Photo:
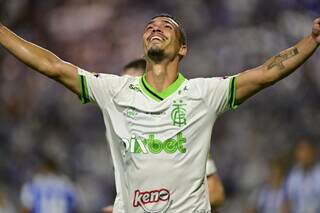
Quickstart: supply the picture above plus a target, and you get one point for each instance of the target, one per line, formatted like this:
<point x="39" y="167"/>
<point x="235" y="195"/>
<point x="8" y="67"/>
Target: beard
<point x="156" y="54"/>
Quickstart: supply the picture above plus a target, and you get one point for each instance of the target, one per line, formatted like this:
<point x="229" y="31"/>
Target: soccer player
<point x="215" y="188"/>
<point x="159" y="125"/>
<point x="302" y="187"/>
<point x="48" y="191"/>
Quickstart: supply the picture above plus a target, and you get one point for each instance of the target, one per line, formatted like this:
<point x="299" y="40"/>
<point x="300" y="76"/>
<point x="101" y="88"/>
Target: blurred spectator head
<point x="135" y="68"/>
<point x="48" y="165"/>
<point x="305" y="152"/>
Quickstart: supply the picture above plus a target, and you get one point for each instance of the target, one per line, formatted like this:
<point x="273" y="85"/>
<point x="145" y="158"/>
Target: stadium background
<point x="38" y="116"/>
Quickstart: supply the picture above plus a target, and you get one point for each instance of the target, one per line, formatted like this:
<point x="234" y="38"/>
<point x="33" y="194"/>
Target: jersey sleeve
<point x="98" y="87"/>
<point x="210" y="167"/>
<point x="220" y="93"/>
<point x="27" y="196"/>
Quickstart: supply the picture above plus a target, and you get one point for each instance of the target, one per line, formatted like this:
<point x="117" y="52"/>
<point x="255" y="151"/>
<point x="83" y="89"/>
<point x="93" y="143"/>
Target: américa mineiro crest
<point x="178" y="113"/>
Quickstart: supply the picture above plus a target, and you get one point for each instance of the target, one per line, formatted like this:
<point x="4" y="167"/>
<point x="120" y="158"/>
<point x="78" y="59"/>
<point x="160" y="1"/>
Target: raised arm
<point x="40" y="59"/>
<point x="252" y="81"/>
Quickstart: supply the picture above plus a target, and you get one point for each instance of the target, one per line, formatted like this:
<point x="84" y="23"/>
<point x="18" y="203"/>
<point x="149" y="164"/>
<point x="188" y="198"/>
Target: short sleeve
<point x="210" y="167"/>
<point x="26" y="196"/>
<point x="98" y="87"/>
<point x="220" y="93"/>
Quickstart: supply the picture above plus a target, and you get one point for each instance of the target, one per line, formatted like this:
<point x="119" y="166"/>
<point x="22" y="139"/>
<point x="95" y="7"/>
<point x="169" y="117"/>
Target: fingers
<point x="107" y="209"/>
<point x="316" y="26"/>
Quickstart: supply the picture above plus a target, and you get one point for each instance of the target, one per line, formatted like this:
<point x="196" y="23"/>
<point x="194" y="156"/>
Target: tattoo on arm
<point x="277" y="61"/>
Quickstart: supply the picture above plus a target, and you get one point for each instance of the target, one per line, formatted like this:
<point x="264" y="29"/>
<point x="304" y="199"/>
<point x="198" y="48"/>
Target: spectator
<point x="48" y="191"/>
<point x="303" y="182"/>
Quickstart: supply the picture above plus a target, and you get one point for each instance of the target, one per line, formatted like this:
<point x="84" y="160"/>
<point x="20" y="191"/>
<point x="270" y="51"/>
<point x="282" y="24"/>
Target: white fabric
<point x="142" y="134"/>
<point x="210" y="167"/>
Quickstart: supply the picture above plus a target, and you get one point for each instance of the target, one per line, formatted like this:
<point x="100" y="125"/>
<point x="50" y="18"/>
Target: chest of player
<point x="146" y="126"/>
<point x="140" y="115"/>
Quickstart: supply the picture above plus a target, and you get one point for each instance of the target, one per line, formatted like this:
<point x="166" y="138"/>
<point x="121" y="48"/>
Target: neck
<point x="162" y="75"/>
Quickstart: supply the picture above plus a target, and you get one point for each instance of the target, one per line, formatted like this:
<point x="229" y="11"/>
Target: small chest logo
<point x="134" y="88"/>
<point x="178" y="114"/>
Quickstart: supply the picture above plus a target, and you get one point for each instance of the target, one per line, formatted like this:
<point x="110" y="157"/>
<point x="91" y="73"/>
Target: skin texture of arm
<point x="276" y="68"/>
<point x="39" y="59"/>
<point x="216" y="191"/>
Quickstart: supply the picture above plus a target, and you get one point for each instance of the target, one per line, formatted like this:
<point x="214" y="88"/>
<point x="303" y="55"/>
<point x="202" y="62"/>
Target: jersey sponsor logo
<point x="134" y="88"/>
<point x="131" y="112"/>
<point x="155" y="146"/>
<point x="159" y="196"/>
<point x="178" y="114"/>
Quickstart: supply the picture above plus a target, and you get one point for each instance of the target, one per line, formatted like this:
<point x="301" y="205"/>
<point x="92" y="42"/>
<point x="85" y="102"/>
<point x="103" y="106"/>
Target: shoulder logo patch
<point x="134" y="88"/>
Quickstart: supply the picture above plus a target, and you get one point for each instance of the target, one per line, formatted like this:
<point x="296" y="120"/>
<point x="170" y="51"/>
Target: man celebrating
<point x="215" y="187"/>
<point x="159" y="125"/>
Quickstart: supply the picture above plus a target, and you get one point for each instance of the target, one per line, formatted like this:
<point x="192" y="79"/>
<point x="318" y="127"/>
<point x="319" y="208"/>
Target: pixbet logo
<point x="154" y="145"/>
<point x="142" y="199"/>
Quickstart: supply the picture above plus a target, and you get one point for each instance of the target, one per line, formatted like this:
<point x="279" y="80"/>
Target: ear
<point x="183" y="50"/>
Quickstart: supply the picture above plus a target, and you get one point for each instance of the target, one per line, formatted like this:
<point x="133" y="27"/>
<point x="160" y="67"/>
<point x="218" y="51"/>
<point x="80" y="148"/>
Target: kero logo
<point x="155" y="146"/>
<point x="161" y="196"/>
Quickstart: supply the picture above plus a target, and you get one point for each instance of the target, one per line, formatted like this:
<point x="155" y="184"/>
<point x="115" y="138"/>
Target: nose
<point x="156" y="29"/>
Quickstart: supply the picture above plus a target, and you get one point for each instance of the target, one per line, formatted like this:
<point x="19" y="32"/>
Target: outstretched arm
<point x="40" y="59"/>
<point x="252" y="81"/>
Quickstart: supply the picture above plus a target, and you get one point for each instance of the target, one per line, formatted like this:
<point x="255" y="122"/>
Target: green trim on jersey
<point x="159" y="96"/>
<point x="232" y="93"/>
<point x="84" y="95"/>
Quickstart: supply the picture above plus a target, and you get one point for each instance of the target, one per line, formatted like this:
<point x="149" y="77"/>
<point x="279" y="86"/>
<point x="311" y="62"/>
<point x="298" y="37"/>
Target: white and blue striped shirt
<point x="303" y="190"/>
<point x="267" y="199"/>
<point x="50" y="194"/>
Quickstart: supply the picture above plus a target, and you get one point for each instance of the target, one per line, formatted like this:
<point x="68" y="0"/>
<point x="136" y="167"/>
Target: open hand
<point x="316" y="30"/>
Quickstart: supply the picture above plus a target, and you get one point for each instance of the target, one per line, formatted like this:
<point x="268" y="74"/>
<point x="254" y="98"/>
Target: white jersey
<point x="210" y="166"/>
<point x="159" y="141"/>
<point x="211" y="169"/>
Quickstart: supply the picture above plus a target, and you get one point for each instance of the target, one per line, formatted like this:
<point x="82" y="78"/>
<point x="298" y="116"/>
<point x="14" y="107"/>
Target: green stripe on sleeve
<point x="232" y="93"/>
<point x="84" y="95"/>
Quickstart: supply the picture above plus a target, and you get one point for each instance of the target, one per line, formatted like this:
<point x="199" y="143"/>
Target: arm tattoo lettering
<point x="277" y="61"/>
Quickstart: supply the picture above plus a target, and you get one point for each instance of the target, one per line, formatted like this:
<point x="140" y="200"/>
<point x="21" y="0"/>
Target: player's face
<point x="162" y="34"/>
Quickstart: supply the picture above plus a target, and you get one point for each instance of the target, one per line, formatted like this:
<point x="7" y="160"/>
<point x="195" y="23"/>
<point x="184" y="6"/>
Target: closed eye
<point x="148" y="28"/>
<point x="168" y="26"/>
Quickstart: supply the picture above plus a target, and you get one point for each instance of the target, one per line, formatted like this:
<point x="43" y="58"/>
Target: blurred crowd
<point x="39" y="117"/>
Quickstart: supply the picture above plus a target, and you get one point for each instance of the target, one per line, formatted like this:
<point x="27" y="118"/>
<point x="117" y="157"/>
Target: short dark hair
<point x="136" y="64"/>
<point x="307" y="139"/>
<point x="183" y="35"/>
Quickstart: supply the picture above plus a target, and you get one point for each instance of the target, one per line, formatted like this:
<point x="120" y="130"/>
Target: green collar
<point x="159" y="96"/>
